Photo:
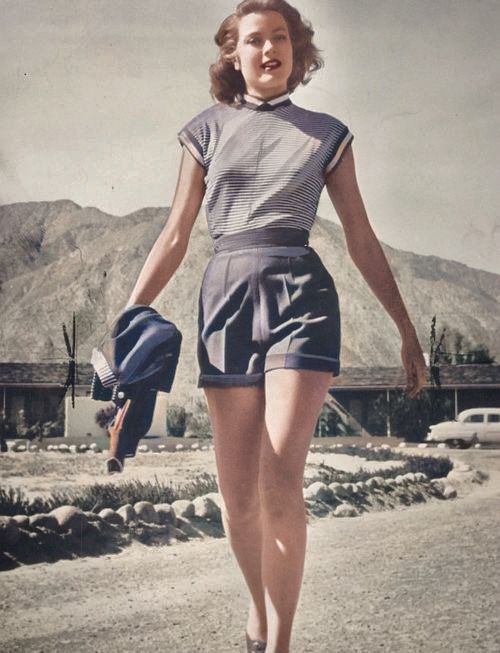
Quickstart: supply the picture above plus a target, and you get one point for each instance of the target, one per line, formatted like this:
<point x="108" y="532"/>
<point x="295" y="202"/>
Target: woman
<point x="268" y="324"/>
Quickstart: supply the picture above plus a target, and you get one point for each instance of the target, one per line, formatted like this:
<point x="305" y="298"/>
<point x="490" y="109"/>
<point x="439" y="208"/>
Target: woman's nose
<point x="268" y="46"/>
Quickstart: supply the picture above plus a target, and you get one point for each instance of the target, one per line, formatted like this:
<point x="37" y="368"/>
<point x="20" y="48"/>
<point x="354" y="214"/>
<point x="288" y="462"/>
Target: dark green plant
<point x="198" y="422"/>
<point x="411" y="418"/>
<point x="176" y="420"/>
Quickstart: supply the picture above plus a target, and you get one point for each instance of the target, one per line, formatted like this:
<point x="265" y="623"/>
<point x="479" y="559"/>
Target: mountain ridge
<point x="57" y="257"/>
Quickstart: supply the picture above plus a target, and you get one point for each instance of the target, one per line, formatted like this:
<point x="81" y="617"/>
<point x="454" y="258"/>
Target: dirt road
<point x="423" y="579"/>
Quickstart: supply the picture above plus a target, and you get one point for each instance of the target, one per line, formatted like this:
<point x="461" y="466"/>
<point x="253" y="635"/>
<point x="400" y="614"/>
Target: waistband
<point x="266" y="237"/>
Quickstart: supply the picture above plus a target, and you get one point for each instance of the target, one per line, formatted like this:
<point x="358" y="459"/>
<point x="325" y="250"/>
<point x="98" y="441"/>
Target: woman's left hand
<point x="414" y="364"/>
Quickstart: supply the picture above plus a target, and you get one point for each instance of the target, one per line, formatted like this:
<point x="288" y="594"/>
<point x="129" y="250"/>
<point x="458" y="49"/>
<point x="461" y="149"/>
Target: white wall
<point x="80" y="420"/>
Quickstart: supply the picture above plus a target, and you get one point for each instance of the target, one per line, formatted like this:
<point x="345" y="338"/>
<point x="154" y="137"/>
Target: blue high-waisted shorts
<point x="264" y="306"/>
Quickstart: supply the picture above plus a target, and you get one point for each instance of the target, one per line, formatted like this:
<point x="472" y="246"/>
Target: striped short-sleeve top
<point x="265" y="162"/>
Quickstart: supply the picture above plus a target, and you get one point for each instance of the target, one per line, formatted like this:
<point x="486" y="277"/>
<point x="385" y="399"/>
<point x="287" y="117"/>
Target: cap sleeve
<point x="340" y="139"/>
<point x="195" y="136"/>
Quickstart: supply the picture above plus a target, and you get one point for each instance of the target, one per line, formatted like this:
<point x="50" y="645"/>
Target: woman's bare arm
<point x="368" y="256"/>
<point x="171" y="245"/>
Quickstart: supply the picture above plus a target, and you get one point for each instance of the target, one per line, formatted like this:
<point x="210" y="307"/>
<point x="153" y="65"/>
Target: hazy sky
<point x="94" y="92"/>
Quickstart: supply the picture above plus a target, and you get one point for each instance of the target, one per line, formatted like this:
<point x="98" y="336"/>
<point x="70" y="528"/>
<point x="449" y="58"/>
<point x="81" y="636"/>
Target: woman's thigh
<point x="294" y="399"/>
<point x="237" y="418"/>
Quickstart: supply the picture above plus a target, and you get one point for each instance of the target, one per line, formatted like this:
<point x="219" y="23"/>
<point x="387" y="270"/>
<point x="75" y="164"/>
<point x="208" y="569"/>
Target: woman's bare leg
<point x="293" y="402"/>
<point x="237" y="418"/>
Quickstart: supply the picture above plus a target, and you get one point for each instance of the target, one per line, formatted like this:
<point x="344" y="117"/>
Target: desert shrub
<point x="176" y="420"/>
<point x="369" y="454"/>
<point x="198" y="424"/>
<point x="107" y="495"/>
<point x="13" y="501"/>
<point x="432" y="466"/>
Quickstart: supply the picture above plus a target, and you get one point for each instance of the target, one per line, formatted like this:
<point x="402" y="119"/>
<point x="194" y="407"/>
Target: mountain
<point x="58" y="257"/>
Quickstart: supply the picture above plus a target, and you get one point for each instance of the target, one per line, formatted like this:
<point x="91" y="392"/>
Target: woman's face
<point x="264" y="53"/>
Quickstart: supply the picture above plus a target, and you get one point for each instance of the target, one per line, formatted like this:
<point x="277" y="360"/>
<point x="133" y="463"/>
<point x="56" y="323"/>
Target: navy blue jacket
<point x="138" y="358"/>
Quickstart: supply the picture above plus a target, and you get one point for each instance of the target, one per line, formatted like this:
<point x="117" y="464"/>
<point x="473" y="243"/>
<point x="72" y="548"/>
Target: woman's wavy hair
<point x="228" y="84"/>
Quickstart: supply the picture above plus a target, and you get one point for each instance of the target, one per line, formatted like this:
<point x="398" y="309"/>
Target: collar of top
<point x="257" y="104"/>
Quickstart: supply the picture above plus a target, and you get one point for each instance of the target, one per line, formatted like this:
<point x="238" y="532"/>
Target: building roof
<point x="451" y="376"/>
<point x="42" y="374"/>
<point x="351" y="378"/>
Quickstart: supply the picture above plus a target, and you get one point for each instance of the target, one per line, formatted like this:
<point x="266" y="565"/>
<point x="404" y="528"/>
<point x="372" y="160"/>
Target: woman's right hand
<point x="171" y="245"/>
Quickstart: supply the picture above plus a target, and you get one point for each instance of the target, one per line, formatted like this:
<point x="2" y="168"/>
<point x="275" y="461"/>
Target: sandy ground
<point x="423" y="579"/>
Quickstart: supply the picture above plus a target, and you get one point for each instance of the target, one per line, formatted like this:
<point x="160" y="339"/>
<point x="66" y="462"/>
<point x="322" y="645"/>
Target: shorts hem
<point x="224" y="380"/>
<point x="302" y="362"/>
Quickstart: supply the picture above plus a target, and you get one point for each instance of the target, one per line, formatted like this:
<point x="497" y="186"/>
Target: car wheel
<point x="456" y="443"/>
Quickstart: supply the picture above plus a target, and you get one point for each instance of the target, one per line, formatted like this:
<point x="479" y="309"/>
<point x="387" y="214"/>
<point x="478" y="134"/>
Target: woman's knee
<point x="240" y="504"/>
<point x="280" y="489"/>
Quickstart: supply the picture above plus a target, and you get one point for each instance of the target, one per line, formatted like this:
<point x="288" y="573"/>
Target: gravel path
<point x="423" y="579"/>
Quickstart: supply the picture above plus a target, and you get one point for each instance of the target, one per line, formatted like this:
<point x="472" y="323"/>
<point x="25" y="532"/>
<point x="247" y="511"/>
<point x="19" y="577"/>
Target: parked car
<point x="471" y="426"/>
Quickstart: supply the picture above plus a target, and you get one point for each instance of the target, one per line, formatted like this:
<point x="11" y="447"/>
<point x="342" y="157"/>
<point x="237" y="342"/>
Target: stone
<point x="162" y="447"/>
<point x="82" y="448"/>
<point x="146" y="512"/>
<point x="166" y="514"/>
<point x="216" y="497"/>
<point x="70" y="517"/>
<point x="360" y="487"/>
<point x="420" y="477"/>
<point x="410" y="477"/>
<point x="179" y="447"/>
<point x="41" y="520"/>
<point x="345" y="510"/>
<point x="95" y="447"/>
<point x="9" y="532"/>
<point x="111" y="517"/>
<point x="73" y="448"/>
<point x="206" y="508"/>
<point x="402" y="445"/>
<point x="143" y="448"/>
<point x="401" y="480"/>
<point x="439" y="484"/>
<point x="318" y="491"/>
<point x="183" y="508"/>
<point x="369" y="445"/>
<point x="441" y="445"/>
<point x="127" y="513"/>
<point x="33" y="447"/>
<point x="372" y="483"/>
<point x="23" y="521"/>
<point x="477" y="445"/>
<point x="63" y="447"/>
<point x="449" y="492"/>
<point x="19" y="448"/>
<point x="92" y="517"/>
<point x="336" y="488"/>
<point x="422" y="445"/>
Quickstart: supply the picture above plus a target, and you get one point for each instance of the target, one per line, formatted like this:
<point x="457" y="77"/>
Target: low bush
<point x="431" y="466"/>
<point x="356" y="450"/>
<point x="106" y="495"/>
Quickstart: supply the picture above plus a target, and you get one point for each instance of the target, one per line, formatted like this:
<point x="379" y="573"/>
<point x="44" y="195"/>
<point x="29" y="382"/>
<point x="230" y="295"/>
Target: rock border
<point x="68" y="532"/>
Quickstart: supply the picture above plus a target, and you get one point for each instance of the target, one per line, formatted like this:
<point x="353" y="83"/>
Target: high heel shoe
<point x="255" y="645"/>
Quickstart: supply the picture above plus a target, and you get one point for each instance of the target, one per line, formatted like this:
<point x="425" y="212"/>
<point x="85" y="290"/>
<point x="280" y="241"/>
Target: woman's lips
<point x="272" y="64"/>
